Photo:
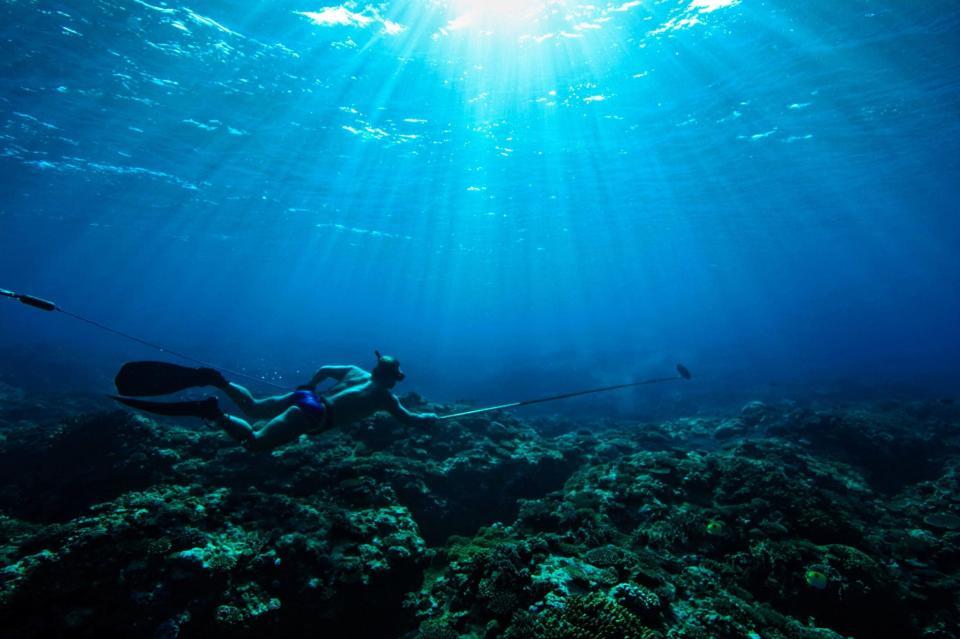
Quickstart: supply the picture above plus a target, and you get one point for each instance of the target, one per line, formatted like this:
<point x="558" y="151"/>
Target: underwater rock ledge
<point x="776" y="523"/>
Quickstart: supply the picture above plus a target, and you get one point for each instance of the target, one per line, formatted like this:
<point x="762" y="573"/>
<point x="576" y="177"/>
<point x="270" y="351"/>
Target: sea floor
<point x="779" y="522"/>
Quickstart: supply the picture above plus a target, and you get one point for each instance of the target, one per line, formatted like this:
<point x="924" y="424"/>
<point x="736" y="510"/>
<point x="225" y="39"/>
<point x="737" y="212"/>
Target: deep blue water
<point x="512" y="197"/>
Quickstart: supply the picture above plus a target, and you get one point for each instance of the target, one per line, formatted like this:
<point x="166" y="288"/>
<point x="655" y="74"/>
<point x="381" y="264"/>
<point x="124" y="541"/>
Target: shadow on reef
<point x="52" y="475"/>
<point x="776" y="523"/>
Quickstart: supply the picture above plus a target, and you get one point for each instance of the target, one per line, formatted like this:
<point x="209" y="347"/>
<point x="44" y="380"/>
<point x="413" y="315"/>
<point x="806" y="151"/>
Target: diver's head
<point x="387" y="371"/>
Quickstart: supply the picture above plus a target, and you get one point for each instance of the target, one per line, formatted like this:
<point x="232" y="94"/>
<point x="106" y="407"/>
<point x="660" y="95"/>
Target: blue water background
<point x="766" y="191"/>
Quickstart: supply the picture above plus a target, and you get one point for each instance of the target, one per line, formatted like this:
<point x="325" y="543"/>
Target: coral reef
<point x="779" y="522"/>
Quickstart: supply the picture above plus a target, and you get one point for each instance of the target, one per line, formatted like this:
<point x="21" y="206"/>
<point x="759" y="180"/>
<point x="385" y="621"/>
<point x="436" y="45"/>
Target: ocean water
<point x="516" y="198"/>
<point x="511" y="197"/>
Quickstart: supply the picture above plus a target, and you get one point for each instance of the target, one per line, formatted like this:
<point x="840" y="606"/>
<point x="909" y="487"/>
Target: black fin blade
<point x="158" y="378"/>
<point x="204" y="408"/>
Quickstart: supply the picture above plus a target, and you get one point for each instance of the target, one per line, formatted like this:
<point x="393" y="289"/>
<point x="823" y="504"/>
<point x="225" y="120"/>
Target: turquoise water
<point x="512" y="197"/>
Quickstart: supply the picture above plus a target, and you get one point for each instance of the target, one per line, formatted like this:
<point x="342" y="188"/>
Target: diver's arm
<point x="404" y="416"/>
<point x="328" y="372"/>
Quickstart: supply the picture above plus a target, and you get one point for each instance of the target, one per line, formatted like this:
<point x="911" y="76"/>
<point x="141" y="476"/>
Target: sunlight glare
<point x="497" y="15"/>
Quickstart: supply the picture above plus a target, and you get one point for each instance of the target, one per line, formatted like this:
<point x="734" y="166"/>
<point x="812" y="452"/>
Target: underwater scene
<point x="480" y="319"/>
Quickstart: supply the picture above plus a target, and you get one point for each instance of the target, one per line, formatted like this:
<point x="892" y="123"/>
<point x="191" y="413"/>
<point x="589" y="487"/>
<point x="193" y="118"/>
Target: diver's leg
<point x="288" y="426"/>
<point x="265" y="408"/>
<point x="238" y="430"/>
<point x="292" y="423"/>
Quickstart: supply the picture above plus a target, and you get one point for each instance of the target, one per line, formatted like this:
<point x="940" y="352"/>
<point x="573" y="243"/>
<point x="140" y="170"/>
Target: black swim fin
<point x="204" y="408"/>
<point x="161" y="378"/>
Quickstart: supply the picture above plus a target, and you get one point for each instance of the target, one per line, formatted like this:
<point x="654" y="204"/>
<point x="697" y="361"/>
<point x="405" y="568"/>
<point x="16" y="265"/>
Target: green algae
<point x="816" y="579"/>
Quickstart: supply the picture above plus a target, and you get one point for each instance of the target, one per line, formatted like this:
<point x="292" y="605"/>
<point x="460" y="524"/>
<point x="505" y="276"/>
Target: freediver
<point x="356" y="394"/>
